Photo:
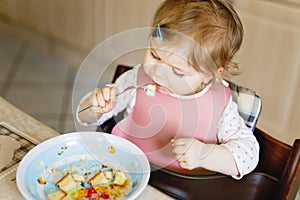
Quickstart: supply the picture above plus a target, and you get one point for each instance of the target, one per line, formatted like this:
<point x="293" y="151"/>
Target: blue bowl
<point x="87" y="152"/>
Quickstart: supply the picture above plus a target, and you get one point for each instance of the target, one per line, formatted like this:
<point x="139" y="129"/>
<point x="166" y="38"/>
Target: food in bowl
<point x="107" y="183"/>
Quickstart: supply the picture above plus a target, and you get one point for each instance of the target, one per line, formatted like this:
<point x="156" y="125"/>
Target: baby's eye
<point x="178" y="73"/>
<point x="155" y="56"/>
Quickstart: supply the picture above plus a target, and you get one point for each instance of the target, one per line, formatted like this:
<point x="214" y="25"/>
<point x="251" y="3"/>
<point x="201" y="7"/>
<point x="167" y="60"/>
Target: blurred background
<point x="43" y="44"/>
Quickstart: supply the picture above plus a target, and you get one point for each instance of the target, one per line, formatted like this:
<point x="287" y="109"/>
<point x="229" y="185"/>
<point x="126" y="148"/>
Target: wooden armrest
<point x="290" y="180"/>
<point x="281" y="161"/>
<point x="273" y="153"/>
<point x="120" y="70"/>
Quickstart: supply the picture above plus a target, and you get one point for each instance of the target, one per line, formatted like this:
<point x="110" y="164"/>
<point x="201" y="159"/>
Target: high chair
<point x="275" y="177"/>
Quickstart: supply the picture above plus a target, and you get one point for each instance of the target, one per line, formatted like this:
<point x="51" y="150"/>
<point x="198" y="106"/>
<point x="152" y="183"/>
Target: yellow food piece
<point x="111" y="149"/>
<point x="99" y="179"/>
<point x="80" y="194"/>
<point x="78" y="177"/>
<point x="66" y="183"/>
<point x="120" y="178"/>
<point x="100" y="189"/>
<point x="109" y="175"/>
<point x="68" y="197"/>
<point x="56" y="195"/>
<point x="42" y="181"/>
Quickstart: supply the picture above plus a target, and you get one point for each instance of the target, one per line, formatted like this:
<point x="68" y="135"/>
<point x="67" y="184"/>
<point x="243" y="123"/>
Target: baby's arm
<point x="236" y="155"/>
<point x="239" y="140"/>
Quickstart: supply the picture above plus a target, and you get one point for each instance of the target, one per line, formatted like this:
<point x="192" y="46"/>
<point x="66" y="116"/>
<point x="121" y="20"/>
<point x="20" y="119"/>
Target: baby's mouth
<point x="161" y="88"/>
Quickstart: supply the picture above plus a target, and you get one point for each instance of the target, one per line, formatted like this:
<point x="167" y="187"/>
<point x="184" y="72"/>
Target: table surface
<point x="36" y="131"/>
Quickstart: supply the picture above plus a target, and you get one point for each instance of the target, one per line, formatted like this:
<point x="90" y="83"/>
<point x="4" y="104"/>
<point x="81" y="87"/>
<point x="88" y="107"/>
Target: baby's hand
<point x="189" y="152"/>
<point x="103" y="99"/>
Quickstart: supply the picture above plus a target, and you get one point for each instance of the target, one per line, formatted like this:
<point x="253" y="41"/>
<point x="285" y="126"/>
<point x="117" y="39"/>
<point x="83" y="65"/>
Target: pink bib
<point x="156" y="120"/>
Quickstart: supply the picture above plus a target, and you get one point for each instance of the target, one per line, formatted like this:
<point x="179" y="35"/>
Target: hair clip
<point x="158" y="33"/>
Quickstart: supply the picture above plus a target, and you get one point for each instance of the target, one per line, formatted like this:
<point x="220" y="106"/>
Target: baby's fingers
<point x="109" y="93"/>
<point x="103" y="99"/>
<point x="104" y="96"/>
<point x="106" y="93"/>
<point x="180" y="157"/>
<point x="185" y="165"/>
<point x="98" y="95"/>
<point x="180" y="141"/>
<point x="113" y="94"/>
<point x="179" y="150"/>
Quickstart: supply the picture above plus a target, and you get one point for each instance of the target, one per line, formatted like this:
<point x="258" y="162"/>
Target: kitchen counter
<point x="36" y="132"/>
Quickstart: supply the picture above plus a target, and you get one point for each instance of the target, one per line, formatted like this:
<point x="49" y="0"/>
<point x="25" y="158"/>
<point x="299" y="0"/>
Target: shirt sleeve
<point x="126" y="101"/>
<point x="239" y="139"/>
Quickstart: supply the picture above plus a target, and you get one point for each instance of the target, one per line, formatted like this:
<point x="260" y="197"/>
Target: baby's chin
<point x="164" y="90"/>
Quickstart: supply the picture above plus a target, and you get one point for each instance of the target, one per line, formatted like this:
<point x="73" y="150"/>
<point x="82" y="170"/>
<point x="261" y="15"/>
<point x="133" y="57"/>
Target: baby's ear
<point x="221" y="71"/>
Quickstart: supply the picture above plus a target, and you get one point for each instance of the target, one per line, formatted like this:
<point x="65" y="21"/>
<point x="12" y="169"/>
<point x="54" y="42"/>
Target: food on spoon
<point x="150" y="90"/>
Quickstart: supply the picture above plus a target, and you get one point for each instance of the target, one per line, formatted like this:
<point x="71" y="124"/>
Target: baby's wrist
<point x="205" y="154"/>
<point x="206" y="151"/>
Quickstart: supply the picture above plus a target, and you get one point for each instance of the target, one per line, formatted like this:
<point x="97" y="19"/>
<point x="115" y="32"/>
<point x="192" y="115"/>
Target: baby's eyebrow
<point x="153" y="51"/>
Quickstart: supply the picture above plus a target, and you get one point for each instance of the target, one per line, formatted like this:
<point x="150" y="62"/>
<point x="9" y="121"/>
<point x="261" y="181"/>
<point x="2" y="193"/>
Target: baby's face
<point x="171" y="71"/>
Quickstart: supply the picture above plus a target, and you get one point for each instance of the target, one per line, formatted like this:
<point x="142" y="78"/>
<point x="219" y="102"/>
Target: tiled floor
<point x="36" y="82"/>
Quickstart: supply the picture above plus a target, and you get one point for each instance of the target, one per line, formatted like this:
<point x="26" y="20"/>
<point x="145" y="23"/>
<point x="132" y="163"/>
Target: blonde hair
<point x="213" y="24"/>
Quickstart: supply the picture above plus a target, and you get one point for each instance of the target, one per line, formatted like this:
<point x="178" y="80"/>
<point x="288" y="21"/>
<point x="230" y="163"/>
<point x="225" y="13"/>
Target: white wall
<point x="270" y="59"/>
